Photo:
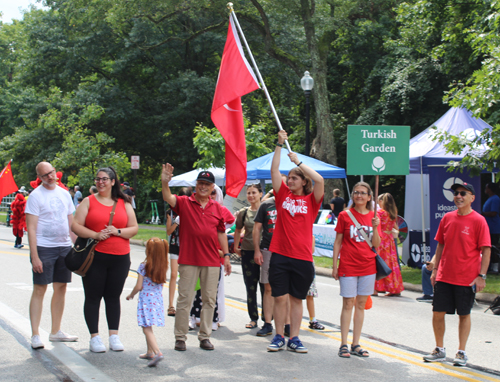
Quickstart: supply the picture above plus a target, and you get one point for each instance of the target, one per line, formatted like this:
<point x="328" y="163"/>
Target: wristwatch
<point x="119" y="232"/>
<point x="227" y="254"/>
<point x="482" y="276"/>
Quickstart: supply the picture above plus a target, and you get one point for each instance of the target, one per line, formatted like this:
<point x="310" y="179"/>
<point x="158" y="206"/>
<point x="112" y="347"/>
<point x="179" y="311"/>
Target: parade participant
<point x="356" y="270"/>
<point x="250" y="270"/>
<point x="291" y="270"/>
<point x="173" y="232"/>
<point x="49" y="215"/>
<point x="198" y="255"/>
<point x="220" y="305"/>
<point x="151" y="276"/>
<point x="388" y="213"/>
<point x="18" y="218"/>
<point x="461" y="261"/>
<point x="109" y="270"/>
<point x="264" y="223"/>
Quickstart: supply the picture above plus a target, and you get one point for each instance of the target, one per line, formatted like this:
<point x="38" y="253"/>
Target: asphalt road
<point x="397" y="332"/>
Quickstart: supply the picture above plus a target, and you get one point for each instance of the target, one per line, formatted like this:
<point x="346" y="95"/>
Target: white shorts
<point x="357" y="286"/>
<point x="173" y="257"/>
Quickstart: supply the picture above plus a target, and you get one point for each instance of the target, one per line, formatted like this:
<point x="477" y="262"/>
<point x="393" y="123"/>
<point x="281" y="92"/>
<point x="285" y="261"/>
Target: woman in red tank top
<point x="108" y="272"/>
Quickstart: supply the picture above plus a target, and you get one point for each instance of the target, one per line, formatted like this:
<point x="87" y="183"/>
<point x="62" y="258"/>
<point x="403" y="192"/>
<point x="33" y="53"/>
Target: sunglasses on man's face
<point x="461" y="193"/>
<point x="213" y="192"/>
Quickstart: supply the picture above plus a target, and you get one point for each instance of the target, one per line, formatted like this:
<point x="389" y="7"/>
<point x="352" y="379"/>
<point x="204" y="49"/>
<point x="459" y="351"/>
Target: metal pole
<point x="308" y="149"/>
<point x="233" y="15"/>
<point x="424" y="255"/>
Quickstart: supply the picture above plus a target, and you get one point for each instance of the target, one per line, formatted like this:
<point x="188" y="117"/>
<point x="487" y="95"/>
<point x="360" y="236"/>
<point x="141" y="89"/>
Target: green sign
<point x="378" y="150"/>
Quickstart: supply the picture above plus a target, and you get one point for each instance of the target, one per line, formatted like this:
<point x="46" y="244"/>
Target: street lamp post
<point x="307" y="84"/>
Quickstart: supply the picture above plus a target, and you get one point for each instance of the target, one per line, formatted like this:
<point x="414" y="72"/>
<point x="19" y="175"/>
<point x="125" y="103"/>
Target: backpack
<point x="495" y="306"/>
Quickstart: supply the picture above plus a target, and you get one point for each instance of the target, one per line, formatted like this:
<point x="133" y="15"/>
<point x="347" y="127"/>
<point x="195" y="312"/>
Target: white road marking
<point x="77" y="364"/>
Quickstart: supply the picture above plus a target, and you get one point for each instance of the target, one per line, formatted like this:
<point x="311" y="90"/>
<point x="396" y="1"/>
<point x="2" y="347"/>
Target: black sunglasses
<point x="461" y="193"/>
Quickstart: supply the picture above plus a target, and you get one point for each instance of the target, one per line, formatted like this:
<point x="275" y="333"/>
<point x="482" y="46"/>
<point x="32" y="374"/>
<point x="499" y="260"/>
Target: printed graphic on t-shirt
<point x="466" y="230"/>
<point x="57" y="225"/>
<point x="356" y="235"/>
<point x="271" y="220"/>
<point x="295" y="206"/>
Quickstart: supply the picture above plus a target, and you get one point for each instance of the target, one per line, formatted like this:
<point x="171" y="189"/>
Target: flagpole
<point x="230" y="6"/>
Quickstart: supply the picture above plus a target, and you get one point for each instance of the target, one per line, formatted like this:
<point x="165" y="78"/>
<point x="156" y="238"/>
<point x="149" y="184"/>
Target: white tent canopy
<point x="189" y="178"/>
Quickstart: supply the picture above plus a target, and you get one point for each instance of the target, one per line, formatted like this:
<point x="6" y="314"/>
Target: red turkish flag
<point x="7" y="183"/>
<point x="236" y="78"/>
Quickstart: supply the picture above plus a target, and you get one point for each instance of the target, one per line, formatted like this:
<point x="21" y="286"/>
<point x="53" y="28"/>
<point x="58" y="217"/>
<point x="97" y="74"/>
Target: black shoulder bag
<point x="80" y="258"/>
<point x="383" y="269"/>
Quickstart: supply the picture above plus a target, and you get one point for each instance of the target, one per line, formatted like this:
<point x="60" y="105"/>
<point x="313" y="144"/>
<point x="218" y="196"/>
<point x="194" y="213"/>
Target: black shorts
<point x="290" y="276"/>
<point x="54" y="267"/>
<point x="450" y="298"/>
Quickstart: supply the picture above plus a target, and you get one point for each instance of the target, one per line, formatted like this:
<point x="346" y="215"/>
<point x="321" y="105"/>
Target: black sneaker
<point x="425" y="298"/>
<point x="267" y="329"/>
<point x="287" y="330"/>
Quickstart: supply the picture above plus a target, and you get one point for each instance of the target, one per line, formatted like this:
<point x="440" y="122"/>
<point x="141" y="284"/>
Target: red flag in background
<point x="236" y="78"/>
<point x="7" y="183"/>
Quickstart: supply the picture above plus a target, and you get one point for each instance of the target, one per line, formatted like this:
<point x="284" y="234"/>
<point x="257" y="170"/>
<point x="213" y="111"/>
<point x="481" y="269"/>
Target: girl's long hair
<point x="116" y="190"/>
<point x="157" y="260"/>
<point x="389" y="205"/>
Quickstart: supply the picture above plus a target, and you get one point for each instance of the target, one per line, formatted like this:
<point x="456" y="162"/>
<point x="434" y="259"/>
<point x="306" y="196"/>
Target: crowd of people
<point x="277" y="245"/>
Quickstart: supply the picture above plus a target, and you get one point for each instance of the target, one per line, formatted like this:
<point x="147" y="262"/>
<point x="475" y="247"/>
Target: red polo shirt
<point x="198" y="240"/>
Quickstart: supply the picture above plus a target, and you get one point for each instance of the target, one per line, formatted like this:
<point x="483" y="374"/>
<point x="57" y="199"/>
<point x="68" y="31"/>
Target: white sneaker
<point x="60" y="336"/>
<point x="215" y="326"/>
<point x="36" y="342"/>
<point x="115" y="343"/>
<point x="192" y="323"/>
<point x="96" y="345"/>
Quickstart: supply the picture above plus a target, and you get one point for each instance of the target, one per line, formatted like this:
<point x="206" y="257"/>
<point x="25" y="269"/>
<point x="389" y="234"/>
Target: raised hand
<point x="167" y="173"/>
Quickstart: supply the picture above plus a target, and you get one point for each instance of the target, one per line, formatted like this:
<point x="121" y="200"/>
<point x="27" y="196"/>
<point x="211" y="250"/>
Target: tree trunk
<point x="323" y="146"/>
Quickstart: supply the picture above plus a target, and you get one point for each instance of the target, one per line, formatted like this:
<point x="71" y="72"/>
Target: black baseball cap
<point x="126" y="184"/>
<point x="206" y="176"/>
<point x="465" y="185"/>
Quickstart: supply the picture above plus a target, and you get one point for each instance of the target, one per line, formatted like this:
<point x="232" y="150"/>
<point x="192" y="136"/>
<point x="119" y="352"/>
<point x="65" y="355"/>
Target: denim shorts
<point x="357" y="286"/>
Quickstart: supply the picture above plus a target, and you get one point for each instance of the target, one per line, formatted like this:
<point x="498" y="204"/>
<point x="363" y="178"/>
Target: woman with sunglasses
<point x="251" y="270"/>
<point x="108" y="272"/>
<point x="356" y="270"/>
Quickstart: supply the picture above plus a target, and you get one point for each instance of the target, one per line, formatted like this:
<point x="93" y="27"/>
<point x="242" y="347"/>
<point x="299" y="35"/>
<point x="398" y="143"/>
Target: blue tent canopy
<point x="425" y="152"/>
<point x="260" y="168"/>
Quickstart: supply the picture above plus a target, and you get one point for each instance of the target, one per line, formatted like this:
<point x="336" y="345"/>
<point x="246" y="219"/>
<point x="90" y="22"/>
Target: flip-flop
<point x="146" y="356"/>
<point x="157" y="358"/>
<point x="251" y="325"/>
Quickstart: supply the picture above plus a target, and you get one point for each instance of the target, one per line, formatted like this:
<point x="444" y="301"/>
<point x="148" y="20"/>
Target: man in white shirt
<point x="49" y="214"/>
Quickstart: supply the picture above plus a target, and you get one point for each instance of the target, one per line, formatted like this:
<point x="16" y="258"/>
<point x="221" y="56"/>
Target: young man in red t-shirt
<point x="461" y="261"/>
<point x="291" y="270"/>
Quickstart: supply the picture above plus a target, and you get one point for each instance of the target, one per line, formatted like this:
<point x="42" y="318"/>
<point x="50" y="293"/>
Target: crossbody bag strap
<point x="359" y="228"/>
<point x="112" y="214"/>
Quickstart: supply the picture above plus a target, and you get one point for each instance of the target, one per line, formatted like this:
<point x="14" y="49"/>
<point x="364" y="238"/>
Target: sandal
<point x="251" y="325"/>
<point x="316" y="325"/>
<point x="171" y="311"/>
<point x="146" y="356"/>
<point x="344" y="352"/>
<point x="357" y="350"/>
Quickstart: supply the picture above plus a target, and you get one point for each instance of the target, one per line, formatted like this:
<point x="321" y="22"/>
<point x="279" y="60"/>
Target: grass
<point x="146" y="234"/>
